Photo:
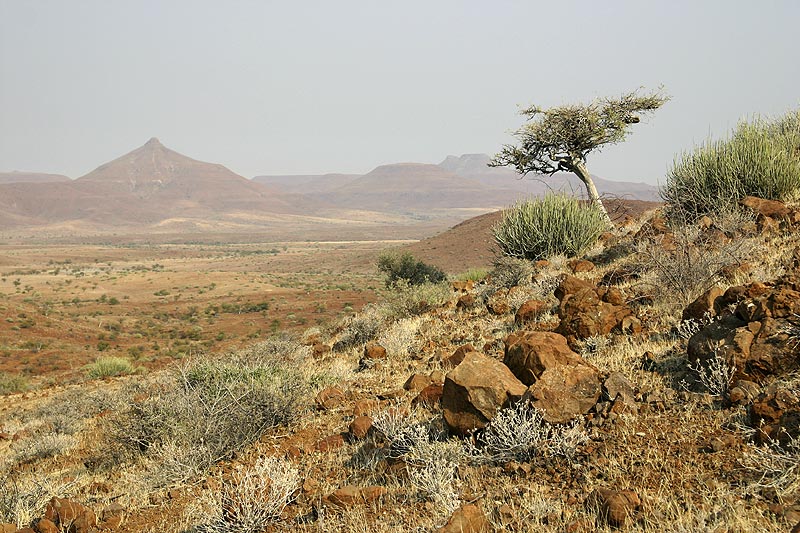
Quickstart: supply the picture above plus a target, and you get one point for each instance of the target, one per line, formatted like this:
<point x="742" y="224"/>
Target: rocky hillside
<point x="648" y="386"/>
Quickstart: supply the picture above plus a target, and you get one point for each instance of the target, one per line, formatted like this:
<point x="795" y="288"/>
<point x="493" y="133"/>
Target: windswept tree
<point x="559" y="139"/>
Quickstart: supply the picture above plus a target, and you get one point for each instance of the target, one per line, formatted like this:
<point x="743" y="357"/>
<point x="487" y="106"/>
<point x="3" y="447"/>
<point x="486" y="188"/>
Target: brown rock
<point x="766" y="208"/>
<point x="331" y="442"/>
<point x="498" y="303"/>
<point x="475" y="390"/>
<point x="530" y="311"/>
<point x="458" y="356"/>
<point x="351" y="495"/>
<point x="571" y="285"/>
<point x="70" y="514"/>
<point x="466" y="301"/>
<point x="776" y="414"/>
<point x="466" y="519"/>
<point x="360" y="426"/>
<point x="617" y="386"/>
<point x="580" y="265"/>
<point x="329" y="398"/>
<point x="529" y="353"/>
<point x="563" y="392"/>
<point x="430" y="395"/>
<point x="417" y="382"/>
<point x="703" y="304"/>
<point x="366" y="407"/>
<point x="611" y="295"/>
<point x="617" y="508"/>
<point x="45" y="525"/>
<point x="374" y="351"/>
<point x="24" y="530"/>
<point x="8" y="528"/>
<point x="462" y="286"/>
<point x="584" y="315"/>
<point x="743" y="392"/>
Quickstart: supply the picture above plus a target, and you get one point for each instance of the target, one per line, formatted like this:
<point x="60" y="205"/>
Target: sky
<point x="315" y="86"/>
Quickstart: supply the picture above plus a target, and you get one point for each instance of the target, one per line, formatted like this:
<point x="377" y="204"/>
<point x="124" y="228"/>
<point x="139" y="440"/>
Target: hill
<point x="30" y="177"/>
<point x="145" y="186"/>
<point x="304" y="184"/>
<point x="474" y="166"/>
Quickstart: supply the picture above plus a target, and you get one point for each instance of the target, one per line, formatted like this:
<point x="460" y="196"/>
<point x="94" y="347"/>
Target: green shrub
<point x="473" y="274"/>
<point x="553" y="225"/>
<point x="105" y="367"/>
<point x="403" y="267"/>
<point x="12" y="383"/>
<point x="760" y="159"/>
<point x="406" y="300"/>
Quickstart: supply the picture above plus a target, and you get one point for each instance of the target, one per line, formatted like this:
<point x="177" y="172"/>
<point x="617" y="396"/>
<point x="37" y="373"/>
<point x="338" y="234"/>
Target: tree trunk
<point x="582" y="172"/>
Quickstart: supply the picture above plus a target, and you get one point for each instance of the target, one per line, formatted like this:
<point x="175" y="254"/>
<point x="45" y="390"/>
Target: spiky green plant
<point x="761" y="158"/>
<point x="555" y="224"/>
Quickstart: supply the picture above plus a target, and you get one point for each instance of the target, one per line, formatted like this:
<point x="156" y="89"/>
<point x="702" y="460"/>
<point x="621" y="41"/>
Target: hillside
<point x="474" y="166"/>
<point x="305" y="184"/>
<point x="145" y="186"/>
<point x="30" y="177"/>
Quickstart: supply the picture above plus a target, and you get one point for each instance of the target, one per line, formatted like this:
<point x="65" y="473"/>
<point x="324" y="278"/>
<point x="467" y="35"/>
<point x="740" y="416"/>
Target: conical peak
<point x="153" y="142"/>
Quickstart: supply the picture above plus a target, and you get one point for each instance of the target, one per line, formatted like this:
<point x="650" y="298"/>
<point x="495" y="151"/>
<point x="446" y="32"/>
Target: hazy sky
<point x="268" y="87"/>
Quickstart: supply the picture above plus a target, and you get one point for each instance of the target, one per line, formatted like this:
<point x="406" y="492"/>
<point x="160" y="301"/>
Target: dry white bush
<point x="716" y="375"/>
<point x="776" y="465"/>
<point x="399" y="337"/>
<point x="23" y="500"/>
<point x="253" y="499"/>
<point x="42" y="446"/>
<point x="519" y="432"/>
<point x="432" y="470"/>
<point x="359" y="328"/>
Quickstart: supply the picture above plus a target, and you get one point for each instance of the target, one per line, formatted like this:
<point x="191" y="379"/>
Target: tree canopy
<point x="560" y="138"/>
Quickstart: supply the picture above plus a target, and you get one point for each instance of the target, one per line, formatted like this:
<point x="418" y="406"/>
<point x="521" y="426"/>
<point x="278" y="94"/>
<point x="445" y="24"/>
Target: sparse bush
<point x="208" y="409"/>
<point x="776" y="465"/>
<point x="519" y="432"/>
<point x="404" y="268"/>
<point x="552" y="225"/>
<point x="760" y="158"/>
<point x="252" y="499"/>
<point x="716" y="375"/>
<point x="410" y="300"/>
<point x="12" y="383"/>
<point x="359" y="329"/>
<point x="399" y="337"/>
<point x="105" y="367"/>
<point x="473" y="274"/>
<point x="23" y="500"/>
<point x="510" y="272"/>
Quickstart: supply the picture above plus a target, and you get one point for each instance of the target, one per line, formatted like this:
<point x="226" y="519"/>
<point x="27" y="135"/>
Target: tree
<point x="560" y="138"/>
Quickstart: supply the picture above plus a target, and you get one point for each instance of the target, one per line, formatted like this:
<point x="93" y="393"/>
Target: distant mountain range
<point x="155" y="187"/>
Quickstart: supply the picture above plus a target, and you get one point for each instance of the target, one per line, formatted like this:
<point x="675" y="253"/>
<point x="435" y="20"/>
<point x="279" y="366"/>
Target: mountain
<point x="416" y="187"/>
<point x="308" y="183"/>
<point x="146" y="186"/>
<point x="474" y="166"/>
<point x="30" y="177"/>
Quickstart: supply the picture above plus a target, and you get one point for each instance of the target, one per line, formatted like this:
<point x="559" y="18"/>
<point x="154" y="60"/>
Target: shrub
<point x="519" y="432"/>
<point x="473" y="274"/>
<point x="252" y="499"/>
<point x="22" y="500"/>
<point x="207" y="410"/>
<point x="404" y="268"/>
<point x="105" y="367"/>
<point x="12" y="383"/>
<point x="553" y="225"/>
<point x="359" y="329"/>
<point x="407" y="300"/>
<point x="760" y="158"/>
<point x="510" y="272"/>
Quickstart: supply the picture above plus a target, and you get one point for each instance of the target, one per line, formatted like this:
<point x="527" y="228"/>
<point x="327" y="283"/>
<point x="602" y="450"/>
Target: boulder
<point x="475" y="390"/>
<point x="46" y="526"/>
<point x="580" y="265"/>
<point x="584" y="315"/>
<point x="776" y="414"/>
<point x="529" y="353"/>
<point x="374" y="351"/>
<point x="571" y="285"/>
<point x="704" y="304"/>
<point x="530" y="311"/>
<point x="618" y="388"/>
<point x="564" y="393"/>
<point x="458" y="356"/>
<point x="766" y="208"/>
<point x="417" y="382"/>
<point x="498" y="303"/>
<point x="70" y="515"/>
<point x="360" y="426"/>
<point x="430" y="395"/>
<point x="618" y="508"/>
<point x="352" y="495"/>
<point x="329" y="398"/>
<point x="468" y="518"/>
